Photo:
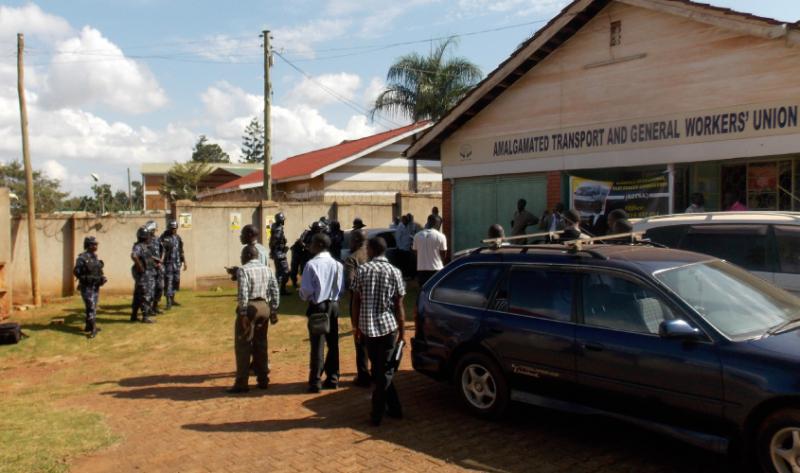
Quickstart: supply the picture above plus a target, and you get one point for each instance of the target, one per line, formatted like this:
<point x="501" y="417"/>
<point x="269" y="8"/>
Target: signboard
<point x="185" y="220"/>
<point x="641" y="197"/>
<point x="718" y="125"/>
<point x="235" y="223"/>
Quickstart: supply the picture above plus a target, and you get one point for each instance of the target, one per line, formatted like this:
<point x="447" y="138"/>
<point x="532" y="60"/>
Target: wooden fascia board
<point x="512" y="65"/>
<point x="698" y="13"/>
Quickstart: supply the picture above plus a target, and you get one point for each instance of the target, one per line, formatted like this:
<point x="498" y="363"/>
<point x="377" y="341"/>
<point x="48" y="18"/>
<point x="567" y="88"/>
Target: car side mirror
<point x="678" y="329"/>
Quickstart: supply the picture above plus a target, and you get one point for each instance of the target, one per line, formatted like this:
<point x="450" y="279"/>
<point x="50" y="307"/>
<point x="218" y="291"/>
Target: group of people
<point x="568" y="222"/>
<point x="156" y="271"/>
<point x="376" y="310"/>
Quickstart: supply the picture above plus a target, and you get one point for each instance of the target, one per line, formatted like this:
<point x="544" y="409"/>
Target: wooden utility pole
<point x="267" y="119"/>
<point x="130" y="196"/>
<point x="26" y="158"/>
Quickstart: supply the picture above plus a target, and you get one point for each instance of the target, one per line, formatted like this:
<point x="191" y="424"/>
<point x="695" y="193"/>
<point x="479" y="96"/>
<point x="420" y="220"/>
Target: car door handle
<point x="593" y="347"/>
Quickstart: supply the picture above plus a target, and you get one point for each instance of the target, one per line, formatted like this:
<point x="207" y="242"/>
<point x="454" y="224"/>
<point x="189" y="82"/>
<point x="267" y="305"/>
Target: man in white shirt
<point x="322" y="287"/>
<point x="430" y="245"/>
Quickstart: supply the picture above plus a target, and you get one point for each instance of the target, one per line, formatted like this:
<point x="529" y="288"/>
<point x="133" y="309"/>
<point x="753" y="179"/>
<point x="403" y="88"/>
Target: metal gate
<point x="481" y="202"/>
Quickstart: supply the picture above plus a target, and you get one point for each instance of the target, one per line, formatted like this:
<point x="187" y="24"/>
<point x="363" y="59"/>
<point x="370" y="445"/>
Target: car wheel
<point x="778" y="442"/>
<point x="481" y="385"/>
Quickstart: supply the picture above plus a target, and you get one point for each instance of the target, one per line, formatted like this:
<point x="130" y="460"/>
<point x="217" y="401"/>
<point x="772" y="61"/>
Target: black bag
<point x="10" y="333"/>
<point x="319" y="324"/>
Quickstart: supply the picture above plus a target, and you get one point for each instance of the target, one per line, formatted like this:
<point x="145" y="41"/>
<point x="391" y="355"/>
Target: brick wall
<point x="553" y="188"/>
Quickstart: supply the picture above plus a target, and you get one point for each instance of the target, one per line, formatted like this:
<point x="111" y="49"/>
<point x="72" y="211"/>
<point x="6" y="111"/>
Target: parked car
<point x="765" y="243"/>
<point x="392" y="253"/>
<point x="679" y="342"/>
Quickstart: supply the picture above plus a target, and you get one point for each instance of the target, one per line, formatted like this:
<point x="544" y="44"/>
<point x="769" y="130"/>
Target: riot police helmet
<point x="280" y="218"/>
<point x="172" y="225"/>
<point x="318" y="227"/>
<point x="142" y="233"/>
<point x="151" y="226"/>
<point x="88" y="242"/>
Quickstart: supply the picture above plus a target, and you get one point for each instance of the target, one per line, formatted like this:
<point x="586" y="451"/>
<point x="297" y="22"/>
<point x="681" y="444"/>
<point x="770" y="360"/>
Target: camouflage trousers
<point x="172" y="281"/>
<point x="158" y="286"/>
<point x="90" y="296"/>
<point x="143" y="293"/>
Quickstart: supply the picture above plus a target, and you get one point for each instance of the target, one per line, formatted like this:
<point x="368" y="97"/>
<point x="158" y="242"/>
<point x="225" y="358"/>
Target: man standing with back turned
<point x="379" y="291"/>
<point x="322" y="286"/>
<point x="358" y="257"/>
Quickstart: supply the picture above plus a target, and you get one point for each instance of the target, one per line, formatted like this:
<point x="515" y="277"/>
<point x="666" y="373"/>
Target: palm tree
<point x="426" y="87"/>
<point x="183" y="179"/>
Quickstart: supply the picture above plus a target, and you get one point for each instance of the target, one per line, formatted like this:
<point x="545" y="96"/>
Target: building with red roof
<point x="368" y="169"/>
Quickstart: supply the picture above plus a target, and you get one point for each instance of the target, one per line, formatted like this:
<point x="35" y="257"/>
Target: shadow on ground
<point x="528" y="439"/>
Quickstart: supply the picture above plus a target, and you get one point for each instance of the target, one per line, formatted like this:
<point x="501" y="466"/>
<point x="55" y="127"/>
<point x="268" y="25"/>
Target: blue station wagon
<point x="678" y="342"/>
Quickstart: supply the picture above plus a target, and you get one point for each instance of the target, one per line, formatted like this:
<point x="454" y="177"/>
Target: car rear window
<point x="743" y="245"/>
<point x="469" y="285"/>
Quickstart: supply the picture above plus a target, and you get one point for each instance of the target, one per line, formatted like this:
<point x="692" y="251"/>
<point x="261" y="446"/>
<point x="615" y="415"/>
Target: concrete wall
<point x="5" y="254"/>
<point x="210" y="244"/>
<point x="419" y="205"/>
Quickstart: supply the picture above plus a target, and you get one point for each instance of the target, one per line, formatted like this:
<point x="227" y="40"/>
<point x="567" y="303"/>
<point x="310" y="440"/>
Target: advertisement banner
<point x="641" y="197"/>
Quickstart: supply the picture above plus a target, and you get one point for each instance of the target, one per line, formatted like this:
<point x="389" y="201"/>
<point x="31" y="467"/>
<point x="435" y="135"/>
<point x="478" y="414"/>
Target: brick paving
<point x="185" y="422"/>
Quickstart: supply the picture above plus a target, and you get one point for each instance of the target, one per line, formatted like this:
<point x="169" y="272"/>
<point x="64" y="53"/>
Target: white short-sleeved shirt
<point x="428" y="244"/>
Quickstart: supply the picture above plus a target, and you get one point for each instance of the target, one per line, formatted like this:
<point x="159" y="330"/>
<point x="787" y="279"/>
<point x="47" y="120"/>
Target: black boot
<point x="87" y="327"/>
<point x="135" y="314"/>
<point x="169" y="304"/>
<point x="284" y="292"/>
<point x="94" y="329"/>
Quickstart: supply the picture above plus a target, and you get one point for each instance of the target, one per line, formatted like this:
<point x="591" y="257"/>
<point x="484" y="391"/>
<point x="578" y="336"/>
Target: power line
<point x="349" y="103"/>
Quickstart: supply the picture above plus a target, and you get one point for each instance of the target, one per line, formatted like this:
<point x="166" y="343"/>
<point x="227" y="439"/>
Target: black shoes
<point x="330" y="385"/>
<point x="314" y="389"/>
<point x="362" y="382"/>
<point x="147" y="320"/>
<point x="237" y="390"/>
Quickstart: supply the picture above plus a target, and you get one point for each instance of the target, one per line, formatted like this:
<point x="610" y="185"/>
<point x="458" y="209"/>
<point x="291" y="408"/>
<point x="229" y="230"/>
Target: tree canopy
<point x="426" y="87"/>
<point x="206" y="152"/>
<point x="182" y="180"/>
<point x="49" y="196"/>
<point x="253" y="142"/>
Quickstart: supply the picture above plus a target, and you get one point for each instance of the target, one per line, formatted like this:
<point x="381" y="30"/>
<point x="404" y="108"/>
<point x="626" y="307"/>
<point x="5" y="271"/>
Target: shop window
<point x="785" y="185"/>
<point x="616" y="33"/>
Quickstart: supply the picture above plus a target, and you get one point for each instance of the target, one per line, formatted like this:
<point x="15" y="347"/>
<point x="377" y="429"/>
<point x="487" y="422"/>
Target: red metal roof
<point x="307" y="163"/>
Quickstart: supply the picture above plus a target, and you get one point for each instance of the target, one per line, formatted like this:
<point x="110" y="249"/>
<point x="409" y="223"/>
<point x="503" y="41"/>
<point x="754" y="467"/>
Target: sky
<point x="112" y="84"/>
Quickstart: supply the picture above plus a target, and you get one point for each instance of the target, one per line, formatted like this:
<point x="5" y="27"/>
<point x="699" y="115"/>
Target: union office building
<point x="631" y="104"/>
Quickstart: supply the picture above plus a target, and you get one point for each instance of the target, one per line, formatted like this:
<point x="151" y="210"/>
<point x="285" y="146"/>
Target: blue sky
<point x="116" y="83"/>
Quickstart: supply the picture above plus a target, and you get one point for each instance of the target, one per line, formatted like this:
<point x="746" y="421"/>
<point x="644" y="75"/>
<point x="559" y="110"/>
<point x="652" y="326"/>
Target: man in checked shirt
<point x="378" y="301"/>
<point x="258" y="304"/>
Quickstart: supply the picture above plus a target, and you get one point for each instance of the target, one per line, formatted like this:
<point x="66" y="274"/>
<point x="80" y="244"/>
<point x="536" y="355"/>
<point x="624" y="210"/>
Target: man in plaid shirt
<point x="257" y="301"/>
<point x="378" y="302"/>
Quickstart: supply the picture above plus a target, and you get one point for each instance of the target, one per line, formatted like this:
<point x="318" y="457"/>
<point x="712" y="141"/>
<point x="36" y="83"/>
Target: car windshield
<point x="734" y="301"/>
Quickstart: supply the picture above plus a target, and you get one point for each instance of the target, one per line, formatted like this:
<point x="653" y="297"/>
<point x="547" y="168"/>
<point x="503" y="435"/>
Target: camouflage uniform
<point x="158" y="273"/>
<point x="145" y="281"/>
<point x="89" y="272"/>
<point x="277" y="250"/>
<point x="173" y="260"/>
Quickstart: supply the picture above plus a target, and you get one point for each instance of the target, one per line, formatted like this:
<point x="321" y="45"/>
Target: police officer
<point x="158" y="254"/>
<point x="89" y="272"/>
<point x="172" y="245"/>
<point x="278" y="250"/>
<point x="144" y="275"/>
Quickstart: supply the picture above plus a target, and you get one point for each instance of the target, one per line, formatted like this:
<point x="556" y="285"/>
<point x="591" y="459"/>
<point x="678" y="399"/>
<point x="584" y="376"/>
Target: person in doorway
<point x="572" y="226"/>
<point x="522" y="219"/>
<point x="437" y="217"/>
<point x="553" y="221"/>
<point x="258" y="301"/>
<point x="357" y="257"/>
<point x="322" y="286"/>
<point x="378" y="301"/>
<point x="732" y="202"/>
<point x="430" y="246"/>
<point x="278" y="251"/>
<point x="174" y="259"/>
<point x="89" y="273"/>
<point x="697" y="203"/>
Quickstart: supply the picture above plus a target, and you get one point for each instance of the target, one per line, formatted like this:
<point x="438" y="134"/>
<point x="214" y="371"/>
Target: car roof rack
<point x="572" y="246"/>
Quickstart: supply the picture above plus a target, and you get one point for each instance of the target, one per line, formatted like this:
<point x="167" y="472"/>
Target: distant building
<point x="369" y="169"/>
<point x="153" y="175"/>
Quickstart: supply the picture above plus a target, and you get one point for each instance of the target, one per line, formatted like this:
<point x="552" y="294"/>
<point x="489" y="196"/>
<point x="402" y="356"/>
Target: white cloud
<point x="312" y="91"/>
<point x="300" y="40"/>
<point x="32" y="21"/>
<point x="227" y="48"/>
<point x="518" y="7"/>
<point x="89" y="69"/>
<point x="372" y="90"/>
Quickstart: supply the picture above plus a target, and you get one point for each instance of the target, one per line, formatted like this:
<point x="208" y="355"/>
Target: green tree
<point x="253" y="142"/>
<point x="182" y="180"/>
<point x="138" y="195"/>
<point x="49" y="196"/>
<point x="205" y="152"/>
<point x="426" y="87"/>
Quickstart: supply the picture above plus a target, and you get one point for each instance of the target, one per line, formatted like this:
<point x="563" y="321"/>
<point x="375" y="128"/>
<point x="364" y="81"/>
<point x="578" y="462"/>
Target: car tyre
<point x="778" y="442"/>
<point x="481" y="385"/>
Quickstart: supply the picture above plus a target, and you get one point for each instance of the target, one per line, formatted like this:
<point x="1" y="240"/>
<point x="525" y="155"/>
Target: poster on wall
<point x="185" y="220"/>
<point x="235" y="221"/>
<point x="641" y="197"/>
<point x="762" y="177"/>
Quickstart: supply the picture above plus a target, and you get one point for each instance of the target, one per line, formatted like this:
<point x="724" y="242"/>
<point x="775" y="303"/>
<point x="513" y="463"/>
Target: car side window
<point x="621" y="304"/>
<point x="788" y="240"/>
<point x="540" y="293"/>
<point x="744" y="245"/>
<point x="470" y="285"/>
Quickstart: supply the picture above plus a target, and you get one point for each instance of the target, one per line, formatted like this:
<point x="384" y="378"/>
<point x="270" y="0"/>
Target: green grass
<point x="41" y="430"/>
